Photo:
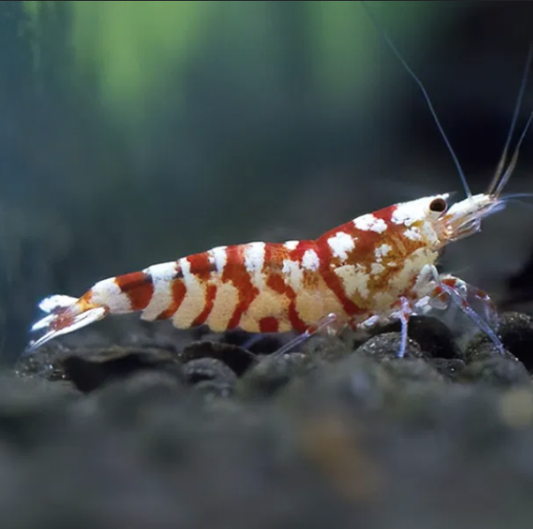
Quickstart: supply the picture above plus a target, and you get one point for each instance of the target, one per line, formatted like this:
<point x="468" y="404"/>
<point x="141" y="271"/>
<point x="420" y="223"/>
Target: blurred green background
<point x="133" y="133"/>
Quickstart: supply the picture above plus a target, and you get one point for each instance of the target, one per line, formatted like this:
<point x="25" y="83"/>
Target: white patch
<point x="354" y="280"/>
<point x="382" y="251"/>
<point x="57" y="301"/>
<point x="369" y="222"/>
<point x="254" y="256"/>
<point x="341" y="244"/>
<point x="409" y="212"/>
<point x="403" y="214"/>
<point x="293" y="274"/>
<point x="376" y="268"/>
<point x="414" y="211"/>
<point x="254" y="260"/>
<point x="291" y="245"/>
<point x="109" y="294"/>
<point x="194" y="301"/>
<point x="411" y="268"/>
<point x="162" y="276"/>
<point x="310" y="260"/>
<point x="219" y="258"/>
<point x="428" y="233"/>
<point x="413" y="234"/>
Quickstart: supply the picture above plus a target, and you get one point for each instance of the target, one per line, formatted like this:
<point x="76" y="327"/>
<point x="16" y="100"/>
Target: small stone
<point x="89" y="370"/>
<point x="482" y="348"/>
<point x="208" y="369"/>
<point x="516" y="332"/>
<point x="236" y="358"/>
<point x="386" y="346"/>
<point x="431" y="334"/>
<point x="273" y="373"/>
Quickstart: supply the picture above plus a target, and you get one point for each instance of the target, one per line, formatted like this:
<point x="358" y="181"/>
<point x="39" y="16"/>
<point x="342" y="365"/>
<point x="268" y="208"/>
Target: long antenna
<point x="499" y="181"/>
<point x="394" y="49"/>
<point x="497" y="185"/>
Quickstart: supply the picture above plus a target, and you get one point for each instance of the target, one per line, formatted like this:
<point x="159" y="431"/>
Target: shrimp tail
<point x="64" y="315"/>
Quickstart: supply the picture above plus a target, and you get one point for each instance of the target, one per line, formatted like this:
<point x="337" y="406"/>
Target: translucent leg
<point x="463" y="295"/>
<point x="403" y="315"/>
<point x="251" y="341"/>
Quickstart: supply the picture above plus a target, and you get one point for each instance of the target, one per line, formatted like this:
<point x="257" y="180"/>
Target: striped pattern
<point x="258" y="287"/>
<point x="354" y="271"/>
<point x="357" y="271"/>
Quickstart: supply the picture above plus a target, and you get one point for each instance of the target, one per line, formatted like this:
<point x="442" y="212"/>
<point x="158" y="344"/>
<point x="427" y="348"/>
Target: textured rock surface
<point x="202" y="432"/>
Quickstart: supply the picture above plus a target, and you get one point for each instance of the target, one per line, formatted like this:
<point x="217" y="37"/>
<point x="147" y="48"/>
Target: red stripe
<point x="274" y="255"/>
<point x="296" y="323"/>
<point x="236" y="273"/>
<point x="268" y="324"/>
<point x="139" y="288"/>
<point x="201" y="266"/>
<point x="332" y="280"/>
<point x="211" y="292"/>
<point x="178" y="294"/>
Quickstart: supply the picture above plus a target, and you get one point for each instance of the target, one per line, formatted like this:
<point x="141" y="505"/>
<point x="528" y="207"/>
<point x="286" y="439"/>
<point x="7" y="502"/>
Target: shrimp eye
<point x="439" y="205"/>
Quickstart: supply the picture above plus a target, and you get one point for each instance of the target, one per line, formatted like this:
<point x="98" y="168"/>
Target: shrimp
<point x="376" y="268"/>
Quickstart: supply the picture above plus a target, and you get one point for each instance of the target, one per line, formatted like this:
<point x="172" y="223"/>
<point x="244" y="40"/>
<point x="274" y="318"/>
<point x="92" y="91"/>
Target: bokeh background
<point x="133" y="133"/>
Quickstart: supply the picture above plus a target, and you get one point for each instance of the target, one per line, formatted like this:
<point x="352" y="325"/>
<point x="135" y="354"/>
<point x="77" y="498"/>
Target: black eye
<point x="438" y="205"/>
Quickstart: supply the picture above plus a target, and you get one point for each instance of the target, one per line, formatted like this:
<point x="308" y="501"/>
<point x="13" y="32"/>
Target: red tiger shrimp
<point x="376" y="268"/>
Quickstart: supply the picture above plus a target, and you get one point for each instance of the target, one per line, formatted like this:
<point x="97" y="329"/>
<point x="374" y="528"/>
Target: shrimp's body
<point x="376" y="267"/>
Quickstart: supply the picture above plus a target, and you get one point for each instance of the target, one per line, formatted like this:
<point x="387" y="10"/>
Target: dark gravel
<point x="169" y="431"/>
